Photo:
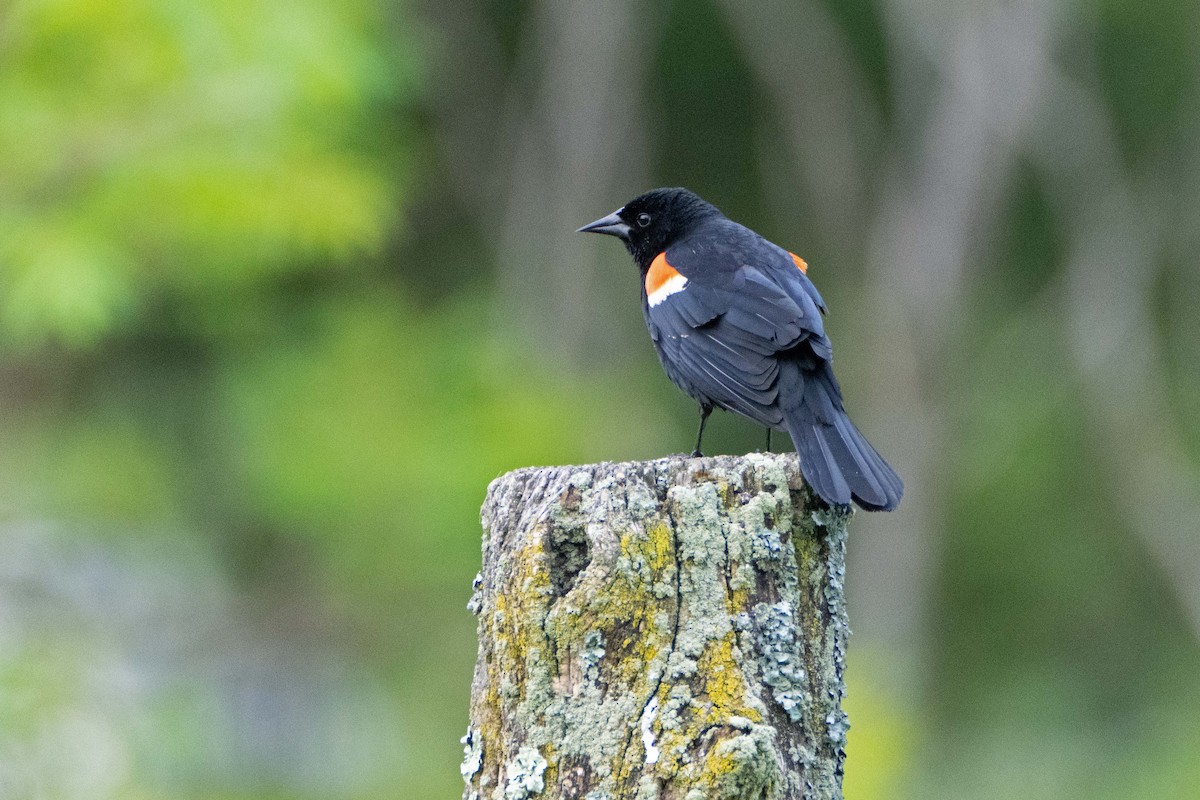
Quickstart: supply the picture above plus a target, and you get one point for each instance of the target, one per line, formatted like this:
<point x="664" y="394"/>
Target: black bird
<point x="737" y="325"/>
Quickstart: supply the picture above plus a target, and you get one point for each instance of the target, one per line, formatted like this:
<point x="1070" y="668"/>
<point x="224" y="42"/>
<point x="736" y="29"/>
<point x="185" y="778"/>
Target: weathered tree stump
<point x="672" y="629"/>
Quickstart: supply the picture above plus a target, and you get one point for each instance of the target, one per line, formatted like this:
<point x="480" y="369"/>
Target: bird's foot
<point x="697" y="454"/>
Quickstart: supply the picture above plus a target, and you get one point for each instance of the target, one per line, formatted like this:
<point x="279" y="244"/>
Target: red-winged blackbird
<point x="737" y="325"/>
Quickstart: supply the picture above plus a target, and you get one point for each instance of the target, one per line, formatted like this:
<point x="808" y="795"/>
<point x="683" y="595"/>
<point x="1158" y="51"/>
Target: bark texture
<point x="672" y="629"/>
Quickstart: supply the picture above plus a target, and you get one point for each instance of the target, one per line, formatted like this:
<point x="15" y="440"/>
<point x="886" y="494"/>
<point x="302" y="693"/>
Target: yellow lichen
<point x="738" y="600"/>
<point x="720" y="696"/>
<point x="724" y="683"/>
<point x="807" y="549"/>
<point x="620" y="603"/>
<point x="660" y="548"/>
<point x="718" y="763"/>
<point x="738" y="767"/>
<point x="654" y="547"/>
<point x="548" y="751"/>
<point x="516" y="618"/>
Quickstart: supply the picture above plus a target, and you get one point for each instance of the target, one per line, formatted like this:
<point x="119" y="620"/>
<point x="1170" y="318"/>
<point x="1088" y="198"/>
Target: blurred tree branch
<point x="935" y="192"/>
<point x="829" y="119"/>
<point x="1115" y="256"/>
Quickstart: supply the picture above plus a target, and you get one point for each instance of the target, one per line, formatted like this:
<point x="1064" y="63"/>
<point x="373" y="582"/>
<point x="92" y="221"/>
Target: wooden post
<point x="671" y="629"/>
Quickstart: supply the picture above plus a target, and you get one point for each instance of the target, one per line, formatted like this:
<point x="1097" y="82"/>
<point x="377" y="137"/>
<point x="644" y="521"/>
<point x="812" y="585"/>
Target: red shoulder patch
<point x="800" y="262"/>
<point x="659" y="273"/>
<point x="662" y="280"/>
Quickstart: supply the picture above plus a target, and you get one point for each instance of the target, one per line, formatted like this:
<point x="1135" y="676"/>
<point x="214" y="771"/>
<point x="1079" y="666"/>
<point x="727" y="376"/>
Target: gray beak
<point x="613" y="225"/>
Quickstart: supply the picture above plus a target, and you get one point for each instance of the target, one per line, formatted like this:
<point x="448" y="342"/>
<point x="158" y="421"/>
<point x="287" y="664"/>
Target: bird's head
<point x="651" y="222"/>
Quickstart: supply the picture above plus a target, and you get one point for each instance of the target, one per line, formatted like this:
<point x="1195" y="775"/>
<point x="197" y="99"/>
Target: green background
<point x="283" y="285"/>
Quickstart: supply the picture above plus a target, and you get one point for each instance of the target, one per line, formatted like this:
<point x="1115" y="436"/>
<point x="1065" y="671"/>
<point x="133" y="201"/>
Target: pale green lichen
<point x="475" y="604"/>
<point x="744" y="766"/>
<point x="782" y="661"/>
<point x="723" y="682"/>
<point x="472" y="754"/>
<point x="593" y="649"/>
<point x="525" y="775"/>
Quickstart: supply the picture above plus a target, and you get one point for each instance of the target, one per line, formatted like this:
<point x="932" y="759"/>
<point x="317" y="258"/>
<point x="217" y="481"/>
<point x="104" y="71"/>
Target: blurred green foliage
<point x="160" y="150"/>
<point x="255" y="376"/>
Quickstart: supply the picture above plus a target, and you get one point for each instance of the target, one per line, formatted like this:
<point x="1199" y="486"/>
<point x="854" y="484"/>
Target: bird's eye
<point x="643" y="219"/>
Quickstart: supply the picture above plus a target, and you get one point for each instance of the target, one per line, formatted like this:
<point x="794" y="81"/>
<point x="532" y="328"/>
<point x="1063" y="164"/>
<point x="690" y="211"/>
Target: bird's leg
<point x="704" y="412"/>
<point x="768" y="440"/>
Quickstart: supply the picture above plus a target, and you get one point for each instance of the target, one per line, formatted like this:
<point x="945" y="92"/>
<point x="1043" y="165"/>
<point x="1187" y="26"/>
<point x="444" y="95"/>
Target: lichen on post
<point x="671" y="629"/>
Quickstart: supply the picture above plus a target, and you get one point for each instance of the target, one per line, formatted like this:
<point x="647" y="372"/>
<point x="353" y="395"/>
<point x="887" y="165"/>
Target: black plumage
<point x="737" y="325"/>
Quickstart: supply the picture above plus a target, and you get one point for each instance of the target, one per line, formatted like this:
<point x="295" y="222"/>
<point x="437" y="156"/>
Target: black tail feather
<point x="835" y="458"/>
<point x="828" y="478"/>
